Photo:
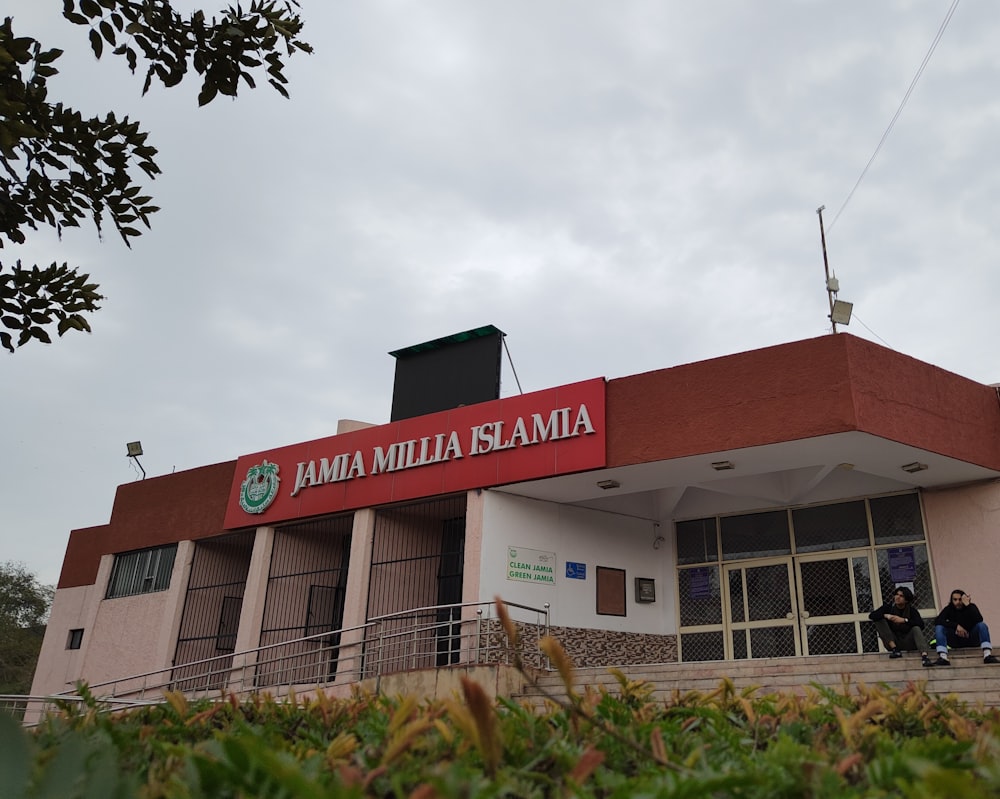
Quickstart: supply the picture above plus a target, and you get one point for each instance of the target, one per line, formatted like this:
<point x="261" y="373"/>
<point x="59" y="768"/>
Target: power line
<point x="906" y="97"/>
<point x="856" y="318"/>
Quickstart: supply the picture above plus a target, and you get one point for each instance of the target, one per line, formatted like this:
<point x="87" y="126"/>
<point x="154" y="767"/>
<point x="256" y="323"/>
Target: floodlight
<point x="841" y="313"/>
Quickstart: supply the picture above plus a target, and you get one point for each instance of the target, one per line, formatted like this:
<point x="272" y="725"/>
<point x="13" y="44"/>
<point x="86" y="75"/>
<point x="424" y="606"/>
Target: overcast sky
<point x="620" y="187"/>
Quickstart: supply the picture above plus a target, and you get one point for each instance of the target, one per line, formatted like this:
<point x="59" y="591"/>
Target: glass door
<point x="835" y="597"/>
<point x="763" y="621"/>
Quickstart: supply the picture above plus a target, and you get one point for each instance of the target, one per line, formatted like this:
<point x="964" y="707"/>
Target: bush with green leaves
<point x="855" y="742"/>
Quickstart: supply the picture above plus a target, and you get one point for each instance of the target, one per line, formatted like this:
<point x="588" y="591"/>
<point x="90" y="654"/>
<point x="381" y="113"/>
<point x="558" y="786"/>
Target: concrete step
<point x="967" y="678"/>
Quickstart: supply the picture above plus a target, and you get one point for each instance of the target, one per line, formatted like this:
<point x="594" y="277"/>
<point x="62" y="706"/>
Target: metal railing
<point x="441" y="635"/>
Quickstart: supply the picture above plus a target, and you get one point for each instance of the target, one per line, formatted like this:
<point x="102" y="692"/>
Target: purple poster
<point x="701" y="583"/>
<point x="902" y="565"/>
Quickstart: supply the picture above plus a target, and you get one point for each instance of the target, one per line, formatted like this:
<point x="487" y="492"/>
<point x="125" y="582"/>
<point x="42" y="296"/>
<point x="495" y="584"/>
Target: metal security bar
<point x="304" y="607"/>
<point x="212" y="604"/>
<point x="141" y="572"/>
<point x="418" y="553"/>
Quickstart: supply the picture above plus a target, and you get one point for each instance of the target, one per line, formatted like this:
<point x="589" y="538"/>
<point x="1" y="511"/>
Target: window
<point x="75" y="639"/>
<point x="142" y="571"/>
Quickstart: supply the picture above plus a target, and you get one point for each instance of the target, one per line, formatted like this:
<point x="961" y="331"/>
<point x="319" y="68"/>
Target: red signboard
<point x="543" y="434"/>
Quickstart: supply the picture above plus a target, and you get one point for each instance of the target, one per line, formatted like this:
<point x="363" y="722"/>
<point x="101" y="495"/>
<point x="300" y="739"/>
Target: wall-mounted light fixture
<point x="606" y="484"/>
<point x="722" y="466"/>
<point x="914" y="467"/>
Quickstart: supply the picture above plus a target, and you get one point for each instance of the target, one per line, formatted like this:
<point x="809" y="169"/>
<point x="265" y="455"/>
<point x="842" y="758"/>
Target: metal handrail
<point x="231" y="658"/>
<point x="367" y="646"/>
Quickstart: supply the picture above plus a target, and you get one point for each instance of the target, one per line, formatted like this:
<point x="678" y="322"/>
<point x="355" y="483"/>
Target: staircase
<point x="967" y="678"/>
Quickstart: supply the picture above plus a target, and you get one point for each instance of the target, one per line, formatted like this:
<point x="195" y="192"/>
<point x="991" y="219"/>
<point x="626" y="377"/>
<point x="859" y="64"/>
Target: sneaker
<point x="990" y="659"/>
<point x="925" y="661"/>
<point x="941" y="662"/>
<point x="895" y="653"/>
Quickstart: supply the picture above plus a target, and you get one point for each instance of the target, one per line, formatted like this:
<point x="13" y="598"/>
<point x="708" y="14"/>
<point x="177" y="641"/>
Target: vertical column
<point x="167" y="643"/>
<point x="471" y="568"/>
<point x="356" y="596"/>
<point x="473" y="615"/>
<point x="252" y="612"/>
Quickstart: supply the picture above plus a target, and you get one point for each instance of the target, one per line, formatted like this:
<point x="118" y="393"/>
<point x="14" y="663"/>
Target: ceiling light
<point x="916" y="466"/>
<point x="721" y="466"/>
<point x="606" y="484"/>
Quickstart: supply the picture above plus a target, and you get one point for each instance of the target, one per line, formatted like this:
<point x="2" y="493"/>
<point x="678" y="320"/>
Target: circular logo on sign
<point x="260" y="488"/>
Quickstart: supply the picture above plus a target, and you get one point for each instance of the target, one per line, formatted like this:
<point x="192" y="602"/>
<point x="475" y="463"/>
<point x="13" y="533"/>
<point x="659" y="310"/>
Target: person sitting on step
<point x="900" y="626"/>
<point x="959" y="625"/>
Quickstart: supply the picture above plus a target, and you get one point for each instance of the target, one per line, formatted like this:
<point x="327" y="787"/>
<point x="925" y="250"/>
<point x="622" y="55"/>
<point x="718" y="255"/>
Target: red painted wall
<point x="903" y="399"/>
<point x="781" y="393"/>
<point x="160" y="510"/>
<point x="792" y="391"/>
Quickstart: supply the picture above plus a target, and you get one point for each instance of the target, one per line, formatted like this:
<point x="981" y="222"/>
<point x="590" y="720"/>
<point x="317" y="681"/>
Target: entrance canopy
<point x="812" y="421"/>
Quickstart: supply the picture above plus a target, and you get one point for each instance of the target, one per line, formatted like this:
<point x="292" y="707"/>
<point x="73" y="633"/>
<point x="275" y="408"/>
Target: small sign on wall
<point x="531" y="565"/>
<point x="645" y="589"/>
<point x="576" y="571"/>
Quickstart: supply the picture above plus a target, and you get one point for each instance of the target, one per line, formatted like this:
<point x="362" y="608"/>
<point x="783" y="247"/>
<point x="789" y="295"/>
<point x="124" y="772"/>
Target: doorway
<point x="798" y="581"/>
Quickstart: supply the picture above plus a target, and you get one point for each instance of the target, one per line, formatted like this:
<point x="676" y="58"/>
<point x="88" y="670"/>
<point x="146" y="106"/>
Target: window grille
<point x="418" y="559"/>
<point x="141" y="572"/>
<point x="212" y="605"/>
<point x="882" y="543"/>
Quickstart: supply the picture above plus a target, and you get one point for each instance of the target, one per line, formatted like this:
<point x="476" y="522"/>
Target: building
<point x="754" y="505"/>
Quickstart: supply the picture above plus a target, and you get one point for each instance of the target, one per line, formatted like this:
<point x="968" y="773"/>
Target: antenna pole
<point x="826" y="265"/>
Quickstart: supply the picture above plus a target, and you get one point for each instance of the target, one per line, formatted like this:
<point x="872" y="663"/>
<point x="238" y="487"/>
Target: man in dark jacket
<point x="960" y="624"/>
<point x="899" y="625"/>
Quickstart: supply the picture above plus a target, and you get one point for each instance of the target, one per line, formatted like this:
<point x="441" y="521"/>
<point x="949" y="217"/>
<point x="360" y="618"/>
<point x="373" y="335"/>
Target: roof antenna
<point x="840" y="311"/>
<point x="134" y="451"/>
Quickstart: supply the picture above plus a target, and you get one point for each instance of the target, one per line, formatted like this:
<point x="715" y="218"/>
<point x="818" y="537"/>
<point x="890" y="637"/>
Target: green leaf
<point x="96" y="43"/>
<point x="107" y="31"/>
<point x="207" y="94"/>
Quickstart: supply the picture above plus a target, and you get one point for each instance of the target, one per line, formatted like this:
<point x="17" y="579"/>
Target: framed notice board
<point x="610" y="591"/>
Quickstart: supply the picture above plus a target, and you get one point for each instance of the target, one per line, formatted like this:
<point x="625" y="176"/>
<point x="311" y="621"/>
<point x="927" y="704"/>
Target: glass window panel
<point x="768" y="592"/>
<point x="740" y="644"/>
<point x="863" y="583"/>
<point x="736" y="607"/>
<point x="922" y="590"/>
<point x="840" y="526"/>
<point x="826" y="587"/>
<point x="141" y="572"/>
<point x="697" y="541"/>
<point x="702" y="646"/>
<point x="832" y="639"/>
<point x="755" y="535"/>
<point x="700" y="596"/>
<point x="869" y="637"/>
<point x="896" y="519"/>
<point x="772" y="642"/>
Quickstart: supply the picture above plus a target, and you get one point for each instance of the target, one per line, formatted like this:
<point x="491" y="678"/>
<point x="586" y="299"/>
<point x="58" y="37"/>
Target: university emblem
<point x="260" y="488"/>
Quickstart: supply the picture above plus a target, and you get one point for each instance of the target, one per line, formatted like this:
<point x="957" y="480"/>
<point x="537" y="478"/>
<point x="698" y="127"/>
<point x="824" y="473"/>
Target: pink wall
<point x="963" y="532"/>
<point x="111" y="647"/>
